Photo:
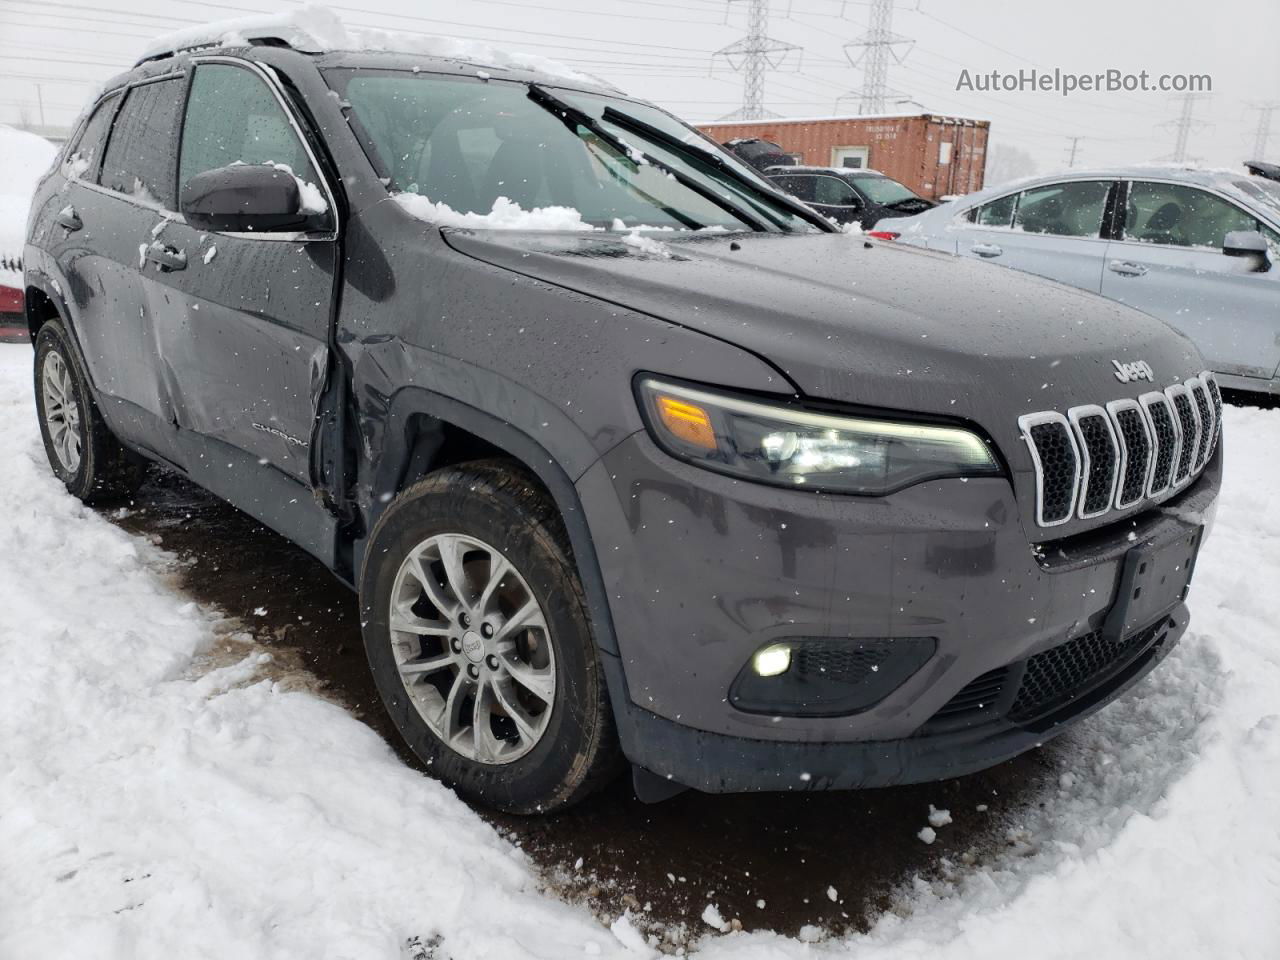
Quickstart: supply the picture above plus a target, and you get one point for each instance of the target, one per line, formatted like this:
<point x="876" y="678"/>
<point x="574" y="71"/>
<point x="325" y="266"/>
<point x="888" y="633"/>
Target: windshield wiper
<point x="707" y="158"/>
<point x="572" y="118"/>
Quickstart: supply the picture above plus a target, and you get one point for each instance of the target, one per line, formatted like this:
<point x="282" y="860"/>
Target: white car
<point x="1195" y="248"/>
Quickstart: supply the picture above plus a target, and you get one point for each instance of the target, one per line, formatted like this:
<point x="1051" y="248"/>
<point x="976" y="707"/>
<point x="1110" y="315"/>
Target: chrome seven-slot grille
<point x="1094" y="459"/>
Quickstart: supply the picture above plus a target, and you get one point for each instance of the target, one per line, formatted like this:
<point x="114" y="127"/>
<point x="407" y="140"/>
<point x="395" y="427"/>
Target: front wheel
<point x="477" y="633"/>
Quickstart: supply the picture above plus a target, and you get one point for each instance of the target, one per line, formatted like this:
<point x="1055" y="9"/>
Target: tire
<point x="505" y="703"/>
<point x="83" y="452"/>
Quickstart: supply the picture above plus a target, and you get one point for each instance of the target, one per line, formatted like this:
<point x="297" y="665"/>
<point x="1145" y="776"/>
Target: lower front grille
<point x="1054" y="678"/>
<point x="1027" y="690"/>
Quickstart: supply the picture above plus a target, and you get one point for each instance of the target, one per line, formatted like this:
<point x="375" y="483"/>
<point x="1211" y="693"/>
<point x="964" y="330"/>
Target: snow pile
<point x="24" y="158"/>
<point x="161" y="796"/>
<point x="315" y="28"/>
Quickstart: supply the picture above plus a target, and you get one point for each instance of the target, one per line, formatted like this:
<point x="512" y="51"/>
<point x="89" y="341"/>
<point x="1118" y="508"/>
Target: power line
<point x="1184" y="124"/>
<point x="1263" y="135"/>
<point x="756" y="53"/>
<point x="877" y="46"/>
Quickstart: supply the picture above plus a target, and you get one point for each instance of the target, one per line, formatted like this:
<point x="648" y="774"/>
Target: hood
<point x="871" y="324"/>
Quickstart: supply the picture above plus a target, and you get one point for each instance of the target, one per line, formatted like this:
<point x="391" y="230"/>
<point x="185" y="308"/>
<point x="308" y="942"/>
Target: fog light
<point x="772" y="660"/>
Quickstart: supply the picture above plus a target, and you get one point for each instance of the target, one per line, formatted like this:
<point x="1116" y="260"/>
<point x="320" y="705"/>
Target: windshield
<point x="1265" y="192"/>
<point x="884" y="191"/>
<point x="477" y="146"/>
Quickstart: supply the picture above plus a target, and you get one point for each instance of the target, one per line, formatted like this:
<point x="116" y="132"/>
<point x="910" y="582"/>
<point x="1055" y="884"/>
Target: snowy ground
<point x="166" y="791"/>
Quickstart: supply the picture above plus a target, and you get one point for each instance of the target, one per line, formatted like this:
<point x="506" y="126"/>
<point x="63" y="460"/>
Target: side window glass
<point x="85" y="158"/>
<point x="1181" y="216"/>
<point x="139" y="159"/>
<point x="799" y="187"/>
<point x="233" y="117"/>
<point x="835" y="192"/>
<point x="997" y="213"/>
<point x="1064" y="209"/>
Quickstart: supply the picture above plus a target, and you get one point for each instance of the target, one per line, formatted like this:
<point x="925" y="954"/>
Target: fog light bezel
<point x="804" y="691"/>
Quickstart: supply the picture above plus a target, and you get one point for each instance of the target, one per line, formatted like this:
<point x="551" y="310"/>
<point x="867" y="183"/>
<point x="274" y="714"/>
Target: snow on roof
<point x="315" y="29"/>
<point x="24" y="158"/>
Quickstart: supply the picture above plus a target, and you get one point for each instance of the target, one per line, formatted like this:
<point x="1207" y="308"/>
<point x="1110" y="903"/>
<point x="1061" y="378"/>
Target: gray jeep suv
<point x="629" y="455"/>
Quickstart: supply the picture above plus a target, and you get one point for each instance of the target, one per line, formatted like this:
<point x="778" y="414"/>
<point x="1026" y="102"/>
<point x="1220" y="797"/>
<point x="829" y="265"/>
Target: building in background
<point x="934" y="155"/>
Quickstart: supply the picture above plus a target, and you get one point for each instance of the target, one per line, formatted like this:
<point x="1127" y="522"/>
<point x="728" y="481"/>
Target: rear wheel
<point x="477" y="633"/>
<point x="82" y="450"/>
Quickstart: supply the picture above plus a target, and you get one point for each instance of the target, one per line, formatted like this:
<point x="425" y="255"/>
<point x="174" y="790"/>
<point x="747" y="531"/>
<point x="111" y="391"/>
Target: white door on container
<point x="852" y="157"/>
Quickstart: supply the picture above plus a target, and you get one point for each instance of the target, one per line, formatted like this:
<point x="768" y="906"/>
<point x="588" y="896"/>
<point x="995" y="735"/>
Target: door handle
<point x="69" y="219"/>
<point x="166" y="258"/>
<point x="986" y="250"/>
<point x="1126" y="268"/>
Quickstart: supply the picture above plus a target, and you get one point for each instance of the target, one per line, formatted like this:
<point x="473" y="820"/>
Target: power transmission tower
<point x="876" y="47"/>
<point x="754" y="55"/>
<point x="1184" y="125"/>
<point x="1073" y="150"/>
<point x="1260" y="141"/>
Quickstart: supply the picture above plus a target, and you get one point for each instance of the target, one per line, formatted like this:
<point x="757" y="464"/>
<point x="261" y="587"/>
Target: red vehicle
<point x="13" y="321"/>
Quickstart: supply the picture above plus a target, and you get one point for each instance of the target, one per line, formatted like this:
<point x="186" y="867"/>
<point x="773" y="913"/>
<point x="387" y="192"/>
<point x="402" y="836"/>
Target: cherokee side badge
<point x="1138" y="370"/>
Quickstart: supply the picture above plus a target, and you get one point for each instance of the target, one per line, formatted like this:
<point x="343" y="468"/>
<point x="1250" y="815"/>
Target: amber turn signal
<point x="686" y="421"/>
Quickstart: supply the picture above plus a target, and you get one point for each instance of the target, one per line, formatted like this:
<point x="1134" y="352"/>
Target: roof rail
<point x="310" y="30"/>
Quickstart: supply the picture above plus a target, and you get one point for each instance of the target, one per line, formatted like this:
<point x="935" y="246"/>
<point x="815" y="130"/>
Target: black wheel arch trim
<point x="398" y="454"/>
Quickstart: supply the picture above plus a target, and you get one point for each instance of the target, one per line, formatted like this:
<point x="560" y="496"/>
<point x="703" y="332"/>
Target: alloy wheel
<point x="473" y="649"/>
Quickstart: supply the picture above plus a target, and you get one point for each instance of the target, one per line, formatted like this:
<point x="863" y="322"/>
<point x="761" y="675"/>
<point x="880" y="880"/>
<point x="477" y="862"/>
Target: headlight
<point x="797" y="448"/>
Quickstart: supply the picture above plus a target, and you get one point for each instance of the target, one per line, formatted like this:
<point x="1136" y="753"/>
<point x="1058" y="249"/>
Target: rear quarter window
<point x="84" y="160"/>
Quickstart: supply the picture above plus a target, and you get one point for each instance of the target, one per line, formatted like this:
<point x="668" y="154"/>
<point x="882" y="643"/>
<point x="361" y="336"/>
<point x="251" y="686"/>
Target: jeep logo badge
<point x="1138" y="370"/>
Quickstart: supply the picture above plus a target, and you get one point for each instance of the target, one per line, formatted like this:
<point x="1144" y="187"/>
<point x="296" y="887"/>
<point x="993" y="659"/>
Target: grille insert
<point x="1093" y="460"/>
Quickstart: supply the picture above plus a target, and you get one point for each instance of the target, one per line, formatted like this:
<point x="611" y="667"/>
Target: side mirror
<point x="244" y="198"/>
<point x="1248" y="243"/>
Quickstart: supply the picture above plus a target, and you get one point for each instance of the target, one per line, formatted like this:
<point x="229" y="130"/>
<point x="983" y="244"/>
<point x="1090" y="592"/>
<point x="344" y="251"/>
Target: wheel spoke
<point x="451" y="553"/>
<point x="486" y="744"/>
<point x="413" y="668"/>
<point x="529" y="615"/>
<point x="450" y="721"/>
<point x="510" y="706"/>
<point x="541" y="682"/>
<point x="406" y="621"/>
<point x="422" y="573"/>
<point x="498" y="570"/>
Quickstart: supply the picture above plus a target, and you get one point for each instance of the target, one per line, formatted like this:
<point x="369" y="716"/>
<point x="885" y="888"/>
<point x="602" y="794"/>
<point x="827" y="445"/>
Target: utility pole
<point x="1260" y="142"/>
<point x="754" y="55"/>
<point x="40" y="102"/>
<point x="1184" y="125"/>
<point x="1072" y="150"/>
<point x="876" y="47"/>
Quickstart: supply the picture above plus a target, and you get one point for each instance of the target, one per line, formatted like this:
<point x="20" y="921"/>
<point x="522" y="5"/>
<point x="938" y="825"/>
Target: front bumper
<point x="702" y="570"/>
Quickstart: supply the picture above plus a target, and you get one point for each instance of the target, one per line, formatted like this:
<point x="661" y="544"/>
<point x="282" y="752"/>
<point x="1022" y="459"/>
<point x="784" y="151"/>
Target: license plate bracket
<point x="1154" y="577"/>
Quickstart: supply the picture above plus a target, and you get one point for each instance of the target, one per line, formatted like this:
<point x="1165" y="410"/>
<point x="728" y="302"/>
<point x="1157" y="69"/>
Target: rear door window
<point x="798" y="186"/>
<point x="1072" y="209"/>
<point x="834" y="192"/>
<point x="85" y="158"/>
<point x="233" y="117"/>
<point x="142" y="152"/>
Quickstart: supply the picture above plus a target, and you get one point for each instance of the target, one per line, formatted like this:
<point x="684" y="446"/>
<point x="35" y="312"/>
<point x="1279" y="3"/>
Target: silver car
<point x="1195" y="248"/>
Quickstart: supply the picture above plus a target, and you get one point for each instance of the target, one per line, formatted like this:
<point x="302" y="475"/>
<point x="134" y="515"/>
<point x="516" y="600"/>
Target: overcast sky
<point x="661" y="50"/>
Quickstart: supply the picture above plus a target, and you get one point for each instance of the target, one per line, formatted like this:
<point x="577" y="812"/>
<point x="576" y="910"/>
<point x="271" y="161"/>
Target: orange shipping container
<point x="934" y="155"/>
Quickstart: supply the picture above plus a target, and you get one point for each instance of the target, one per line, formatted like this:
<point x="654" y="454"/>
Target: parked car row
<point x="1197" y="249"/>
